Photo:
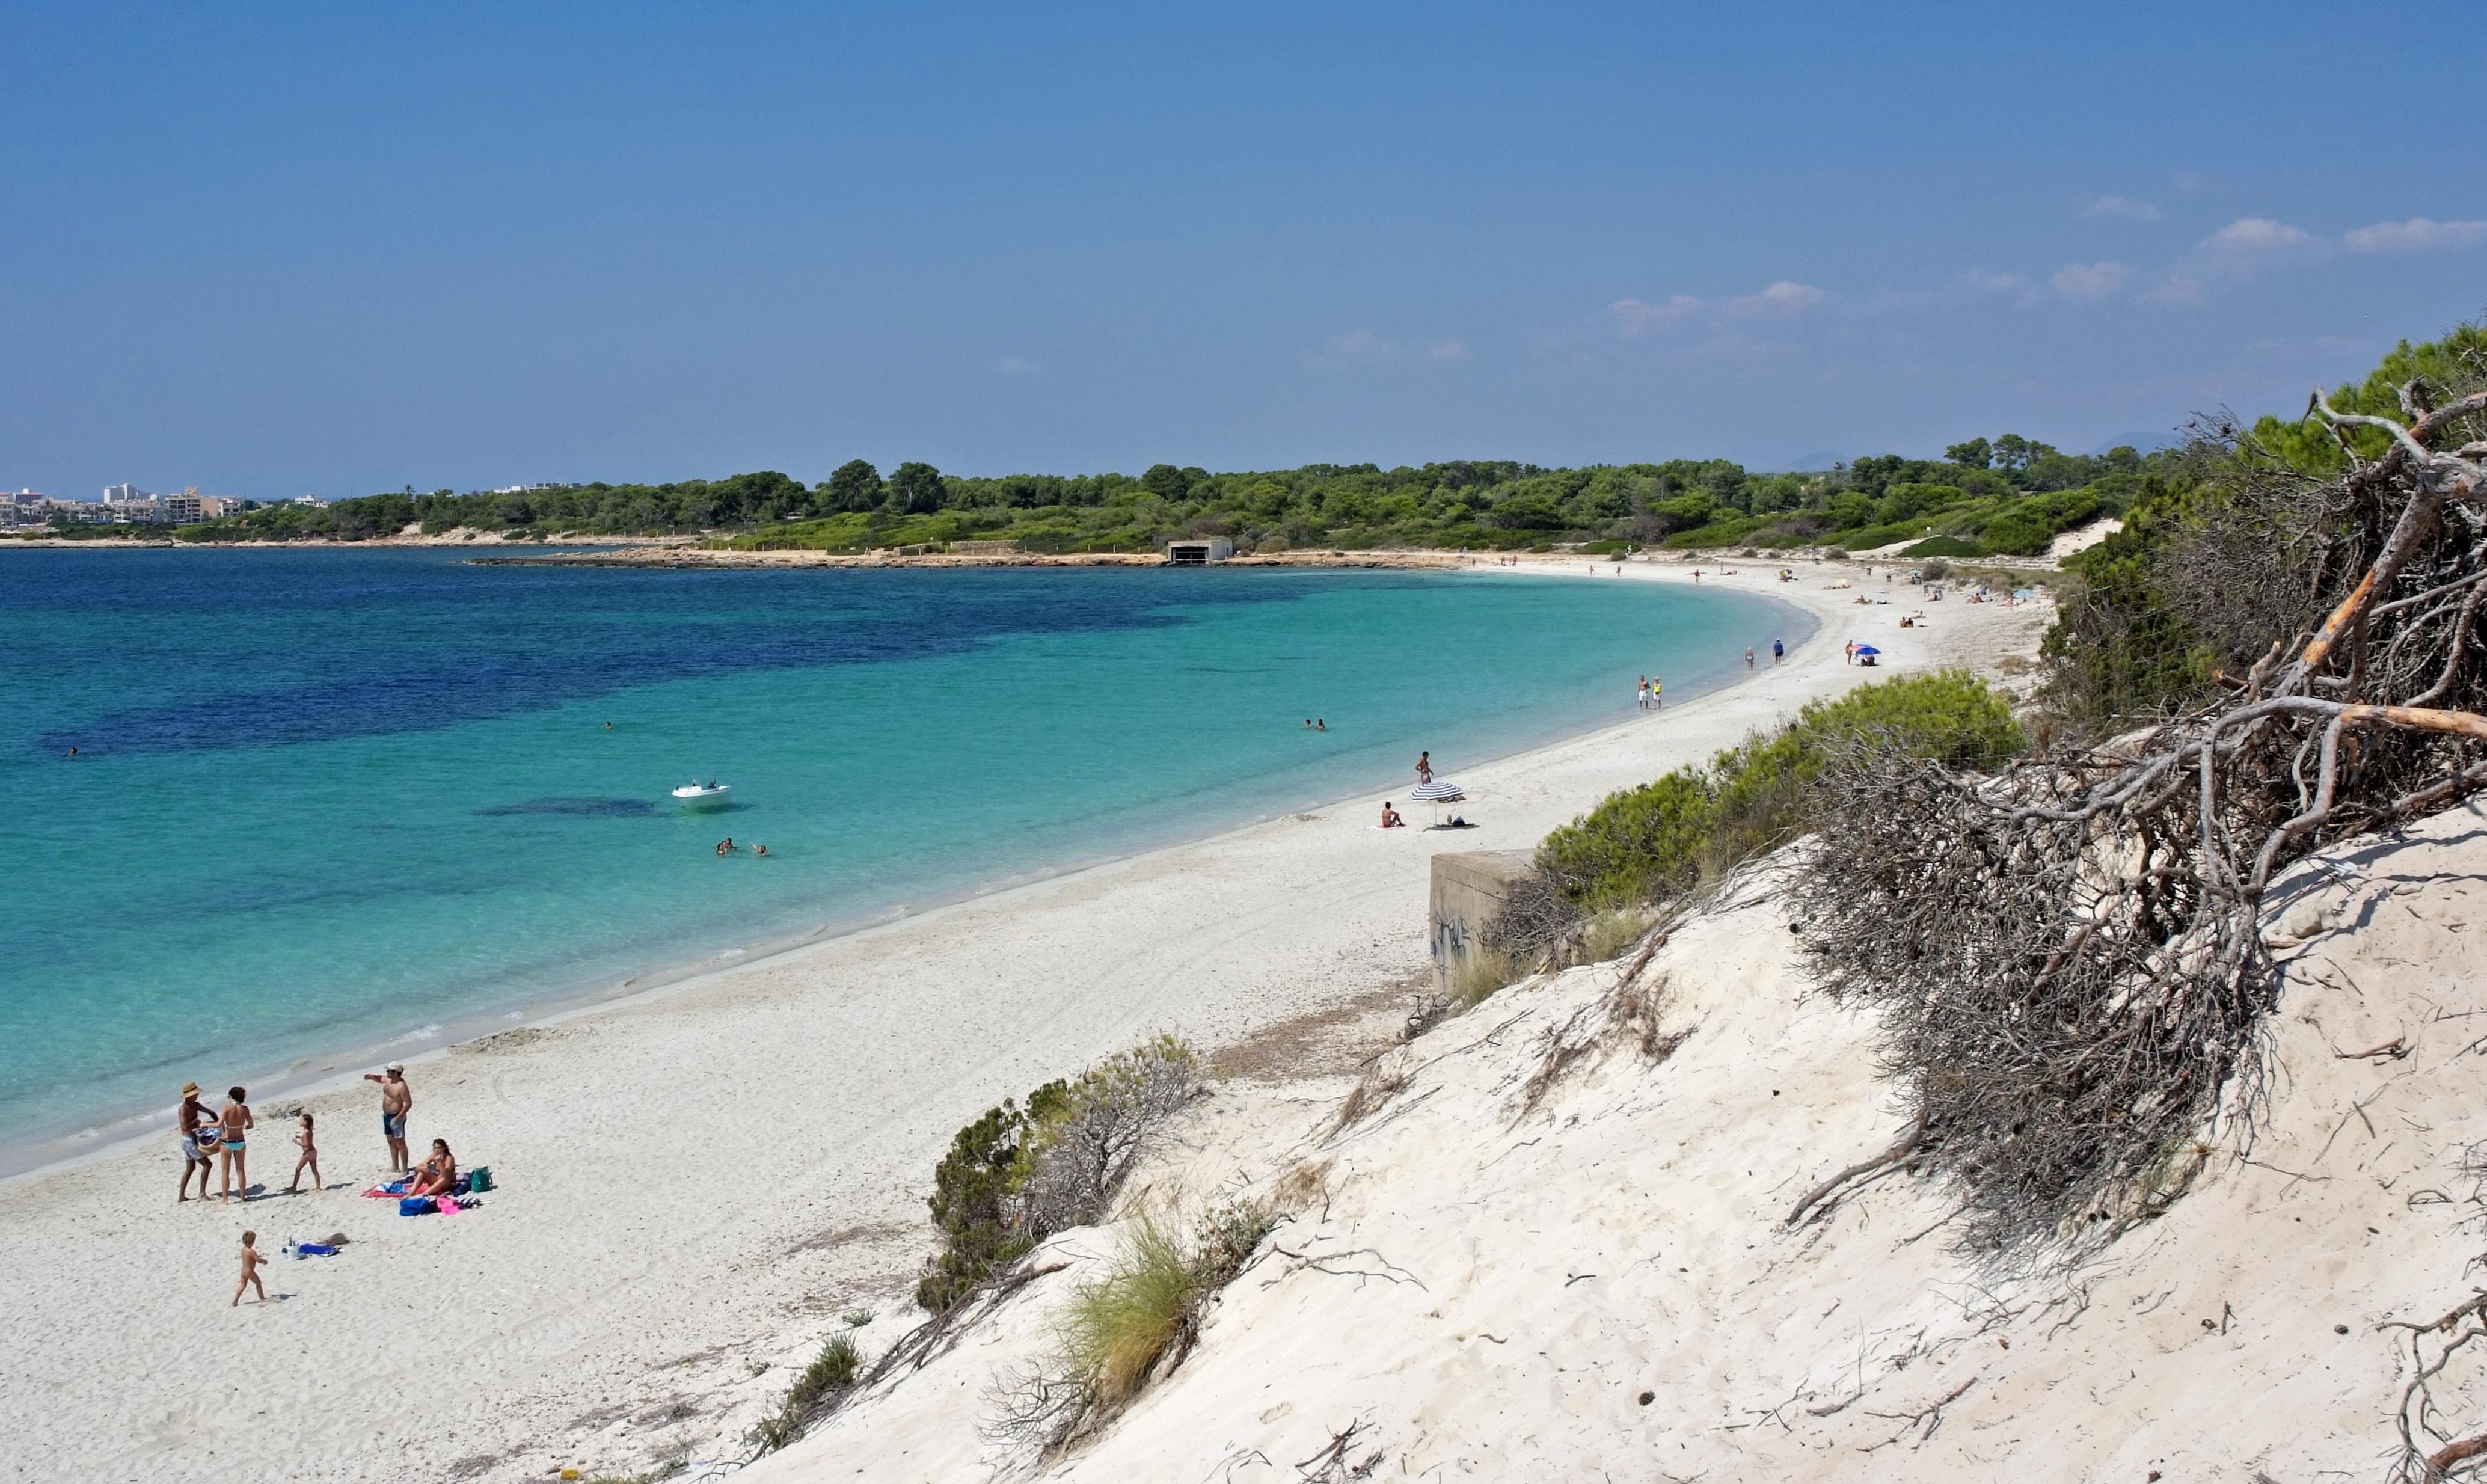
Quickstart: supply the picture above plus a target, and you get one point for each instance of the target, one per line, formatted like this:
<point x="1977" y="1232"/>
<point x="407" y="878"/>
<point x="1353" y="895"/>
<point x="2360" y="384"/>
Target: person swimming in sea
<point x="760" y="850"/>
<point x="725" y="847"/>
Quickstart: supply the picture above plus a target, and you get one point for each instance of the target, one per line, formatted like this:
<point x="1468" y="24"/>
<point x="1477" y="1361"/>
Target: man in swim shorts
<point x="187" y="1120"/>
<point x="397" y="1100"/>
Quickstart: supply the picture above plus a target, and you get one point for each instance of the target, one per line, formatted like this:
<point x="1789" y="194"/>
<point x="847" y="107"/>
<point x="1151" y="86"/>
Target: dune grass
<point x="1116" y="1329"/>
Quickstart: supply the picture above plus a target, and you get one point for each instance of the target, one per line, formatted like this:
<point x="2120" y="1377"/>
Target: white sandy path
<point x="698" y="1179"/>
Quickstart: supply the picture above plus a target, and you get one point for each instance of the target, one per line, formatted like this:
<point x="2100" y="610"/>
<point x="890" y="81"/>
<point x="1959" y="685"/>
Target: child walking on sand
<point x="310" y="1157"/>
<point x="251" y="1262"/>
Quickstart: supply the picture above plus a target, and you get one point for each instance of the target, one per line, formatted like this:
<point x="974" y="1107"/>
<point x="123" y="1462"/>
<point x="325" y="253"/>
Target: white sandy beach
<point x="697" y="1183"/>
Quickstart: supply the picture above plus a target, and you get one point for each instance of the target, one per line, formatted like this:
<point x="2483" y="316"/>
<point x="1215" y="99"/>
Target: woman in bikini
<point x="438" y="1175"/>
<point x="232" y="1129"/>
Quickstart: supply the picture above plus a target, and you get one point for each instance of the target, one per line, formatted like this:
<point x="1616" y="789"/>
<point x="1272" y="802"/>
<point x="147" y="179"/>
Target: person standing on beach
<point x="1424" y="768"/>
<point x="233" y="1130"/>
<point x="1640" y="693"/>
<point x="1779" y="652"/>
<point x="188" y="1120"/>
<point x="310" y="1160"/>
<point x="1852" y="645"/>
<point x="252" y="1260"/>
<point x="1748" y="657"/>
<point x="1656" y="686"/>
<point x="397" y="1100"/>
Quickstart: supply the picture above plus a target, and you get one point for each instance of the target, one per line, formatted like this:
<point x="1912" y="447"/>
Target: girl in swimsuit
<point x="231" y="1128"/>
<point x="310" y="1157"/>
<point x="438" y="1174"/>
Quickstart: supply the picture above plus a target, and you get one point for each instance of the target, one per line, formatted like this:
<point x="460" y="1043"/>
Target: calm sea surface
<point x="335" y="800"/>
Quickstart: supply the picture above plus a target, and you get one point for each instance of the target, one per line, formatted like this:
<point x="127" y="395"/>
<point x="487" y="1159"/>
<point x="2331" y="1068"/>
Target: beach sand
<point x="695" y="1184"/>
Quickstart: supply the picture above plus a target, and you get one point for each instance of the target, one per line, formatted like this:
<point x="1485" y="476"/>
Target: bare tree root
<point x="1828" y="1192"/>
<point x="2071" y="954"/>
<point x="2416" y="1419"/>
<point x="1331" y="1465"/>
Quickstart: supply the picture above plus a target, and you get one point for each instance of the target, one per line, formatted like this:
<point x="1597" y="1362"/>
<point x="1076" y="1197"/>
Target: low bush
<point x="830" y="1372"/>
<point x="1664" y="838"/>
<point x="1017" y="1175"/>
<point x="1943" y="546"/>
<point x="1609" y="932"/>
<point x="1479" y="975"/>
<point x="1144" y="1312"/>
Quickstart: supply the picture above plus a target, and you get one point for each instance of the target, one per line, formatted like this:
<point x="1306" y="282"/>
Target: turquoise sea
<point x="330" y="801"/>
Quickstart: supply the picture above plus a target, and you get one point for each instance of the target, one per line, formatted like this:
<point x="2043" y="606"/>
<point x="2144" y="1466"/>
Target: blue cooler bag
<point x="418" y="1205"/>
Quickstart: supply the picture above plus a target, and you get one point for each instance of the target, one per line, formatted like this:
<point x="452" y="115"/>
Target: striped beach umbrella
<point x="1441" y="791"/>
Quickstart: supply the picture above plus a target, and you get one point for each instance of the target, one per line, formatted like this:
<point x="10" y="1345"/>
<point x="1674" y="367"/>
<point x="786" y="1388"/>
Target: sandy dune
<point x="1604" y="1285"/>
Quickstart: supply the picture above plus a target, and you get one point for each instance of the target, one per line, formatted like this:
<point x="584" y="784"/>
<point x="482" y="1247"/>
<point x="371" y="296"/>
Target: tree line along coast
<point x="2007" y="495"/>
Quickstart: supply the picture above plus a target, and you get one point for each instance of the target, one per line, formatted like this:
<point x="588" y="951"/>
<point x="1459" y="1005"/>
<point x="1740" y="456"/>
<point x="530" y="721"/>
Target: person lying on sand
<point x="1390" y="819"/>
<point x="252" y="1260"/>
<point x="438" y="1175"/>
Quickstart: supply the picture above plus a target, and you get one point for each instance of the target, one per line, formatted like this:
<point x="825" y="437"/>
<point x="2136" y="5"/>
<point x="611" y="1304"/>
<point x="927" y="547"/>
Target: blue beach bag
<point x="418" y="1205"/>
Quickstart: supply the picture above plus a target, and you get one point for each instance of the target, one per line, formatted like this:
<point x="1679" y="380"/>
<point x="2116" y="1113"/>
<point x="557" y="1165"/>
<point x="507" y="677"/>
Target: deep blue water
<point x="326" y="799"/>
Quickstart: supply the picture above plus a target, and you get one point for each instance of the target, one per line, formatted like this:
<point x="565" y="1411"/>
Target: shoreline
<point x="696" y="1181"/>
<point x="116" y="1127"/>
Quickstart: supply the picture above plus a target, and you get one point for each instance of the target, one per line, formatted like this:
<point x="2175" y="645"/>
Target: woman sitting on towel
<point x="438" y="1175"/>
<point x="1390" y="819"/>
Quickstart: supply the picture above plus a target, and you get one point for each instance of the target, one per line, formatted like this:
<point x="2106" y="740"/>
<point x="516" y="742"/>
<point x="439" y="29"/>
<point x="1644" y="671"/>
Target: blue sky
<point x="279" y="250"/>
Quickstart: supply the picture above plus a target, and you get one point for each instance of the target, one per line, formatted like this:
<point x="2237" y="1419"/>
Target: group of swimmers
<point x="1315" y="724"/>
<point x="726" y="847"/>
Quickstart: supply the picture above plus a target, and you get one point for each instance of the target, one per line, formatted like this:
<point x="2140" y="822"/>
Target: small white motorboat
<point x="703" y="796"/>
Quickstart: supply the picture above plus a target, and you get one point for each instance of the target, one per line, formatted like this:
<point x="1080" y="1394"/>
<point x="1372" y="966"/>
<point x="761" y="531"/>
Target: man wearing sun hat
<point x="186" y="1120"/>
<point x="397" y="1100"/>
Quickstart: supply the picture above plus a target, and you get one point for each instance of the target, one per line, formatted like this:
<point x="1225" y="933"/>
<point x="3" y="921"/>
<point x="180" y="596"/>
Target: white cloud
<point x="1634" y="317"/>
<point x="2418" y="235"/>
<point x="2124" y="207"/>
<point x="1639" y="317"/>
<point x="1017" y="366"/>
<point x="2233" y="254"/>
<point x="1781" y="298"/>
<point x="2095" y="282"/>
<point x="1448" y="348"/>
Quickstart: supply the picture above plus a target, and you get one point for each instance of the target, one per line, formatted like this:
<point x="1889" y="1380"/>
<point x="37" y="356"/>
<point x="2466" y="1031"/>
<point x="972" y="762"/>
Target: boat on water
<point x="703" y="796"/>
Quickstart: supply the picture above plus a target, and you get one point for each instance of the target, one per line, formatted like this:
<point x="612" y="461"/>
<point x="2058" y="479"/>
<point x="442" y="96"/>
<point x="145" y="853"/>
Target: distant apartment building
<point x="183" y="508"/>
<point x="125" y="494"/>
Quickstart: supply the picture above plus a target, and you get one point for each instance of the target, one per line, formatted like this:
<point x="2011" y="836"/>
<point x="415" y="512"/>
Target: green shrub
<point x="971" y="1201"/>
<point x="1016" y="1175"/>
<point x="832" y="1371"/>
<point x="2018" y="532"/>
<point x="1664" y="838"/>
<point x="1943" y="546"/>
